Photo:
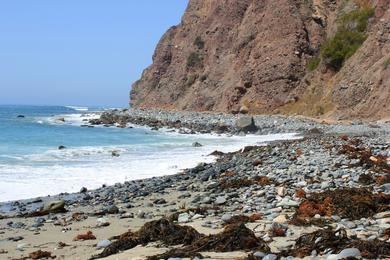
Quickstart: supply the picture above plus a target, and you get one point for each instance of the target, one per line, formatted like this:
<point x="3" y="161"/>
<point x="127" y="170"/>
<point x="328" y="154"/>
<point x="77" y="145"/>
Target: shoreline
<point x="227" y="187"/>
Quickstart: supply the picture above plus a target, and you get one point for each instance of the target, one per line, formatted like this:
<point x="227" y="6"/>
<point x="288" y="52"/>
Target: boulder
<point x="246" y="124"/>
<point x="196" y="144"/>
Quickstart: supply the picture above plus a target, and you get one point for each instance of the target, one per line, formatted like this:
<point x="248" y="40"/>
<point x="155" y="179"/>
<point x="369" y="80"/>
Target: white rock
<point x="102" y="222"/>
<point x="183" y="218"/>
<point x="349" y="252"/>
<point x="280" y="219"/>
<point x="281" y="191"/>
<point x="196" y="216"/>
<point x="103" y="244"/>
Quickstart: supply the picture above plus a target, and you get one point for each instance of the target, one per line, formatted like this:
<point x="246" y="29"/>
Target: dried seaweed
<point x="354" y="150"/>
<point x="327" y="239"/>
<point x="244" y="182"/>
<point x="352" y="203"/>
<point x="39" y="254"/>
<point x="86" y="236"/>
<point x="234" y="237"/>
<point x="162" y="230"/>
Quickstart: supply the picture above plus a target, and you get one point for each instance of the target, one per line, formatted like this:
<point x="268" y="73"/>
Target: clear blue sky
<point x="78" y="52"/>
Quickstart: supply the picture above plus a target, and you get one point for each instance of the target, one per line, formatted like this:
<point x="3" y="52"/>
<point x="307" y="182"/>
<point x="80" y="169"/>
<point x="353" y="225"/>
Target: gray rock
<point x="246" y="124"/>
<point x="270" y="257"/>
<point x="54" y="206"/>
<point x="226" y="217"/>
<point x="220" y="200"/>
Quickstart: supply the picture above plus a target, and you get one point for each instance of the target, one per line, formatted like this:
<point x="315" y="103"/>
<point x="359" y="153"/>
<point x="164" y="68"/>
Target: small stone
<point x="220" y="200"/>
<point x="259" y="254"/>
<point x="112" y="209"/>
<point x="83" y="190"/>
<point x="141" y="214"/>
<point x="226" y="217"/>
<point x="102" y="222"/>
<point x="21" y="247"/>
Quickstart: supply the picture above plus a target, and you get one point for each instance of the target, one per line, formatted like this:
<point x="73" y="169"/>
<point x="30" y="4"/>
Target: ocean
<point x="31" y="164"/>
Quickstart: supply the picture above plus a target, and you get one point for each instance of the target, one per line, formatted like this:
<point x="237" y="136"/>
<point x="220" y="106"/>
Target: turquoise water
<point x="32" y="165"/>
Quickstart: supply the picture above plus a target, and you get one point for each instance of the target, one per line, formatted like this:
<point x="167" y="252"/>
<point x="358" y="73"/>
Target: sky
<point x="78" y="52"/>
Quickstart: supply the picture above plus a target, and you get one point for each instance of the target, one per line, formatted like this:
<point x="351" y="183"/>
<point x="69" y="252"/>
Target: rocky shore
<point x="196" y="122"/>
<point x="325" y="196"/>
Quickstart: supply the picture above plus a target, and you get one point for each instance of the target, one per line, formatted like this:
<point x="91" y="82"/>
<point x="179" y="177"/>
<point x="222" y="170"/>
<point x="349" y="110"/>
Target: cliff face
<point x="252" y="54"/>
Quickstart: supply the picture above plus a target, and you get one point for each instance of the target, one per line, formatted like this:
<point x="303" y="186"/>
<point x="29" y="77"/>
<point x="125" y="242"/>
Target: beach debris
<point x="87" y="236"/>
<point x="61" y="245"/>
<point x="79" y="216"/>
<point x="355" y="150"/>
<point x="351" y="203"/>
<point x="244" y="182"/>
<point x="328" y="240"/>
<point x="366" y="179"/>
<point x="300" y="193"/>
<point x="55" y="206"/>
<point x="278" y="230"/>
<point x="233" y="237"/>
<point x="40" y="254"/>
<point x="158" y="230"/>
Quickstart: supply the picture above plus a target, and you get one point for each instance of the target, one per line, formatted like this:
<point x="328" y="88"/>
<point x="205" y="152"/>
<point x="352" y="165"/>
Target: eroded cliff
<point x="255" y="56"/>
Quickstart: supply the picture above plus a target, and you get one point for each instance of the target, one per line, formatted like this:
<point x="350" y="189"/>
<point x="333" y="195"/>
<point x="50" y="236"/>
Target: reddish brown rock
<point x="227" y="55"/>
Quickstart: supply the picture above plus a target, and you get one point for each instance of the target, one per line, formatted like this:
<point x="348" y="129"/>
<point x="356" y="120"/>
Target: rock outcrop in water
<point x="265" y="57"/>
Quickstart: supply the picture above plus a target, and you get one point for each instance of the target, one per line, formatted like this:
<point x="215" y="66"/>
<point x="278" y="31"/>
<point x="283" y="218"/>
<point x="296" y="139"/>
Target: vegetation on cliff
<point x="349" y="37"/>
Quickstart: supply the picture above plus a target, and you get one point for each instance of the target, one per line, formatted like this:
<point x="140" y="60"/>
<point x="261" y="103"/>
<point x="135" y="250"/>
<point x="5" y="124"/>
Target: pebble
<point x="102" y="222"/>
<point x="220" y="200"/>
<point x="226" y="217"/>
<point x="270" y="257"/>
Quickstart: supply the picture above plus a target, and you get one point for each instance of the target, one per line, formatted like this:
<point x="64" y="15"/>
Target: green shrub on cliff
<point x="193" y="59"/>
<point x="387" y="63"/>
<point x="199" y="42"/>
<point x="348" y="38"/>
<point x="313" y="63"/>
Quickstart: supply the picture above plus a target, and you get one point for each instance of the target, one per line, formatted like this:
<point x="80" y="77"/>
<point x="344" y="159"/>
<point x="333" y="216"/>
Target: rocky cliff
<point x="274" y="56"/>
